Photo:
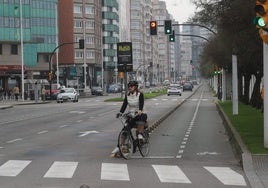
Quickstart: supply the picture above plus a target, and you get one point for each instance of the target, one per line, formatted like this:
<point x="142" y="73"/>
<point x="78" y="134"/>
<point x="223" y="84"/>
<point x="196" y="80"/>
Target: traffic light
<point x="261" y="19"/>
<point x="81" y="43"/>
<point x="168" y="27"/>
<point x="50" y="76"/>
<point x="153" y="27"/>
<point x="172" y="37"/>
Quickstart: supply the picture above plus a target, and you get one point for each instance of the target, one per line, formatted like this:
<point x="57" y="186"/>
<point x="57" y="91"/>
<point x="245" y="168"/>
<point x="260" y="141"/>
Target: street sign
<point x="124" y="56"/>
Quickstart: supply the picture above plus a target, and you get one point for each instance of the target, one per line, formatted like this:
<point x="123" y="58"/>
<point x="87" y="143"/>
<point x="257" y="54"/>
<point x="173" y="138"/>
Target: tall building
<point x="110" y="25"/>
<point x="141" y="14"/>
<point x="163" y="47"/>
<point x="80" y="19"/>
<point x="38" y="39"/>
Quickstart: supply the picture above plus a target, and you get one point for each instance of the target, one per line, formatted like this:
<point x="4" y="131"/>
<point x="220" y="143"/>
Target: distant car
<point x="67" y="94"/>
<point x="174" y="89"/>
<point x="96" y="90"/>
<point x="187" y="87"/>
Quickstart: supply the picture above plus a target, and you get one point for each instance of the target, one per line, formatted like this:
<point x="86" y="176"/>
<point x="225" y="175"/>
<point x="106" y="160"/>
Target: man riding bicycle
<point x="134" y="99"/>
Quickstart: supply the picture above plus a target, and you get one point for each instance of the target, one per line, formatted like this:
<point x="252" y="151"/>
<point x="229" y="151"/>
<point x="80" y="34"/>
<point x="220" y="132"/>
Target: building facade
<point x="32" y="24"/>
<point x="110" y="26"/>
<point x="80" y="19"/>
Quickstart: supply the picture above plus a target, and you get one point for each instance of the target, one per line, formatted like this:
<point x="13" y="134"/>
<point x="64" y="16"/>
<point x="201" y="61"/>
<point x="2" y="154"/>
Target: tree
<point x="236" y="34"/>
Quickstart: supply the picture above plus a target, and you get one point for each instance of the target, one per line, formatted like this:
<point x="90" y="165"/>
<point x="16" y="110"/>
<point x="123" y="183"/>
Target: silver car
<point x="174" y="89"/>
<point x="67" y="94"/>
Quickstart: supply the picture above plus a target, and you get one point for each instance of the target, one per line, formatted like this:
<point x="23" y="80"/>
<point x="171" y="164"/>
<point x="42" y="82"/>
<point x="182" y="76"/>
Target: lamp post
<point x="22" y="56"/>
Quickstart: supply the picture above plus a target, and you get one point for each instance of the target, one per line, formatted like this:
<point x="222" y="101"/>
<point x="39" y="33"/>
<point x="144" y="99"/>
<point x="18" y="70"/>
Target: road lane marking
<point x="42" y="132"/>
<point x="170" y="174"/>
<point x="61" y="170"/>
<point x="227" y="176"/>
<point x="84" y="133"/>
<point x="13" y="167"/>
<point x="15" y="140"/>
<point x="114" y="171"/>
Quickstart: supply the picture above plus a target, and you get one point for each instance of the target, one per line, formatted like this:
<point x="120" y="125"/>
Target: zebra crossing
<point x="120" y="172"/>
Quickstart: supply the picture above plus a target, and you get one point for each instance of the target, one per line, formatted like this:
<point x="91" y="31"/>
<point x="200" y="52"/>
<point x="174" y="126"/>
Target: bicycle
<point x="127" y="144"/>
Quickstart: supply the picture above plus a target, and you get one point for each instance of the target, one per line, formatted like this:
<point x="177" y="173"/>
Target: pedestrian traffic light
<point x="153" y="27"/>
<point x="168" y="27"/>
<point x="81" y="43"/>
<point x="50" y="76"/>
<point x="172" y="37"/>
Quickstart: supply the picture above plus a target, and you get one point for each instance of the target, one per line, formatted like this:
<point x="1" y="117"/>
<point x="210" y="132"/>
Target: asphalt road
<point x="67" y="145"/>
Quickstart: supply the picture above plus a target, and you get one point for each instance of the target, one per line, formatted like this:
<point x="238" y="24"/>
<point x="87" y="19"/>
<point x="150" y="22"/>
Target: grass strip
<point x="249" y="124"/>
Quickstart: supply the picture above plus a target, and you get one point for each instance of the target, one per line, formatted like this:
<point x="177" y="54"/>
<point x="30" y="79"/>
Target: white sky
<point x="180" y="9"/>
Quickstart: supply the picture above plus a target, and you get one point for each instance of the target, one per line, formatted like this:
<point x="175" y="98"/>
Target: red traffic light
<point x="153" y="27"/>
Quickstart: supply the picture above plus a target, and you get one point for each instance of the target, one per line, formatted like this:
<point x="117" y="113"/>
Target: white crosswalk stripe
<point x="227" y="176"/>
<point x="61" y="170"/>
<point x="170" y="174"/>
<point x="13" y="167"/>
<point x="113" y="171"/>
<point x="120" y="172"/>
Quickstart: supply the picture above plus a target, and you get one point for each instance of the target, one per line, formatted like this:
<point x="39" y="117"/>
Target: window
<point x="90" y="54"/>
<point x="78" y="23"/>
<point x="90" y="24"/>
<point x="14" y="49"/>
<point x="77" y="9"/>
<point x="78" y="55"/>
<point x="89" y="10"/>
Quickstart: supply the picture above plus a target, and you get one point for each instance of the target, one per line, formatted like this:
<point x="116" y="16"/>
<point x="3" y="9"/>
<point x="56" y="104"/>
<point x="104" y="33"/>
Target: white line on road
<point x="15" y="140"/>
<point x="61" y="170"/>
<point x="113" y="171"/>
<point x="42" y="132"/>
<point x="13" y="167"/>
<point x="170" y="174"/>
<point x="227" y="176"/>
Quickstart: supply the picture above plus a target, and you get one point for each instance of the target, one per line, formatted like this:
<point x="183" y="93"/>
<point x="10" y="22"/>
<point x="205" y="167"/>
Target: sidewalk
<point x="11" y="103"/>
<point x="255" y="166"/>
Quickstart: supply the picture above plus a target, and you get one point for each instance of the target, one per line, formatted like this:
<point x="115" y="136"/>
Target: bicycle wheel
<point x="125" y="144"/>
<point x="144" y="144"/>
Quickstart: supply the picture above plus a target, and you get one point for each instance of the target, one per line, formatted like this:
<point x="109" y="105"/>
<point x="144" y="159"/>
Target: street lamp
<point x="22" y="56"/>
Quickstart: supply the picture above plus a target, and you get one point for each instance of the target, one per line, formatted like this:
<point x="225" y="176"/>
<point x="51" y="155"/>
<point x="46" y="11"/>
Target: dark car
<point x="96" y="90"/>
<point x="187" y="87"/>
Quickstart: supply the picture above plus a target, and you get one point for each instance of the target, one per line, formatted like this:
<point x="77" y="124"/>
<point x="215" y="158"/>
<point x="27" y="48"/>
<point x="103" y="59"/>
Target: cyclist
<point x="134" y="99"/>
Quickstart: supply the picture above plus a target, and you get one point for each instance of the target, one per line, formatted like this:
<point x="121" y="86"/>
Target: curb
<point x="241" y="151"/>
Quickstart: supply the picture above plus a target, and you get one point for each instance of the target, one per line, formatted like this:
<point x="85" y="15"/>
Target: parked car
<point x="187" y="87"/>
<point x="67" y="94"/>
<point x="96" y="90"/>
<point x="55" y="89"/>
<point x="174" y="89"/>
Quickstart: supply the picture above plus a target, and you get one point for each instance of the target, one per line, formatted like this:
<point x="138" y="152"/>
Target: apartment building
<point x="140" y="16"/>
<point x="80" y="19"/>
<point x="110" y="25"/>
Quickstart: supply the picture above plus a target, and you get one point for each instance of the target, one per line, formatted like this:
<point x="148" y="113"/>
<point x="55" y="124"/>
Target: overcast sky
<point x="180" y="9"/>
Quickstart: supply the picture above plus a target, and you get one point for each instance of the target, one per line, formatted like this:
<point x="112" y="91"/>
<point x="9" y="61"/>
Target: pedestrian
<point x="16" y="92"/>
<point x="43" y="93"/>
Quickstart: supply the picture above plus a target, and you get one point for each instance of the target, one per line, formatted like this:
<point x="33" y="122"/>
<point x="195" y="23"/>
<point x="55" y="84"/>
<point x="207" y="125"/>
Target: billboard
<point x="124" y="57"/>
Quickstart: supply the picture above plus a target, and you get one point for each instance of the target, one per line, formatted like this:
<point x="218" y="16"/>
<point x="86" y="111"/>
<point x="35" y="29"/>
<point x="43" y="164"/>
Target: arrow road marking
<point x="84" y="133"/>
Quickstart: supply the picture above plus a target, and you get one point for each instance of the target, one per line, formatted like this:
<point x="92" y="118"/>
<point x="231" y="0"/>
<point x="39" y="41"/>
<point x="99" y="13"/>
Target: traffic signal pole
<point x="265" y="100"/>
<point x="50" y="65"/>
